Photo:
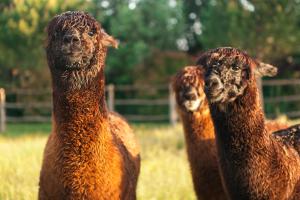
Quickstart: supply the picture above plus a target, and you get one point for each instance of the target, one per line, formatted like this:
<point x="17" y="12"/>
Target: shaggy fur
<point x="193" y="110"/>
<point x="199" y="133"/>
<point x="253" y="163"/>
<point x="91" y="153"/>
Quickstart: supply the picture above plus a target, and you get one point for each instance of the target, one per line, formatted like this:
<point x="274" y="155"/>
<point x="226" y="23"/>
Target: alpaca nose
<point x="71" y="39"/>
<point x="212" y="83"/>
<point x="190" y="95"/>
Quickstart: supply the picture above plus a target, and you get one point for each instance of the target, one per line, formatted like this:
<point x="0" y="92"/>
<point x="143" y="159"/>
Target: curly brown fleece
<point x="91" y="153"/>
<point x="200" y="135"/>
<point x="254" y="164"/>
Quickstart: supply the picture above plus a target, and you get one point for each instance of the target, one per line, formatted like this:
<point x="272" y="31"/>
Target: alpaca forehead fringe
<point x="76" y="19"/>
<point x="229" y="53"/>
<point x="190" y="75"/>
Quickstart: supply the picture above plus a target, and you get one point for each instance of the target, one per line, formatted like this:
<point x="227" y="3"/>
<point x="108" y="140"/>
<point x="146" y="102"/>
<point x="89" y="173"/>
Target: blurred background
<point x="157" y="38"/>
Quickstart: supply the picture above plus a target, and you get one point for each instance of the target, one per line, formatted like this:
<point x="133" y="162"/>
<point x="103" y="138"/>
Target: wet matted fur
<point x="254" y="164"/>
<point x="193" y="109"/>
<point x="91" y="153"/>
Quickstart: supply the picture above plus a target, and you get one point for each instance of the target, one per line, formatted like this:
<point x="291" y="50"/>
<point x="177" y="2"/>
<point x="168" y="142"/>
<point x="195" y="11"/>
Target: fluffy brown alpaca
<point x="199" y="133"/>
<point x="193" y="110"/>
<point x="91" y="153"/>
<point x="254" y="164"/>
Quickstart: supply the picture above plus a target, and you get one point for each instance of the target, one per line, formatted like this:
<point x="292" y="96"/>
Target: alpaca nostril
<point x="190" y="96"/>
<point x="231" y="94"/>
<point x="212" y="83"/>
<point x="75" y="39"/>
<point x="67" y="39"/>
<point x="70" y="39"/>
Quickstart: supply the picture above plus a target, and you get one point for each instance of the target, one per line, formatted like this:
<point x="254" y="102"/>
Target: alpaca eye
<point x="235" y="67"/>
<point x="91" y="33"/>
<point x="217" y="64"/>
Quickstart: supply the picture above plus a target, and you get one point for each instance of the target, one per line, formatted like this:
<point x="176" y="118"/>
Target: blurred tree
<point x="22" y="24"/>
<point x="142" y="26"/>
<point x="267" y="29"/>
<point x="146" y="29"/>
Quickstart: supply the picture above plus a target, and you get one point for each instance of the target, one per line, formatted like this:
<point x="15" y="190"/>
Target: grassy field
<point x="164" y="172"/>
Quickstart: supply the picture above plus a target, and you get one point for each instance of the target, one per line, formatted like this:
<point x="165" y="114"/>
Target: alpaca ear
<point x="264" y="69"/>
<point x="108" y="40"/>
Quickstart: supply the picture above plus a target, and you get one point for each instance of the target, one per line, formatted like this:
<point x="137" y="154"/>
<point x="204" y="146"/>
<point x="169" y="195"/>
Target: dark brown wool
<point x="188" y="84"/>
<point x="254" y="164"/>
<point x="91" y="153"/>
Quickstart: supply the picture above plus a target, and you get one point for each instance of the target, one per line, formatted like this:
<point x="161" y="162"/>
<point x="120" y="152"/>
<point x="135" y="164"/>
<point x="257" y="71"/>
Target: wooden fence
<point x="20" y="102"/>
<point x="2" y="110"/>
<point x="291" y="97"/>
<point x="158" y="101"/>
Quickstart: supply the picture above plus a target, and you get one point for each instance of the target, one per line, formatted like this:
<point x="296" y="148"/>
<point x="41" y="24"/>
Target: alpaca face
<point x="76" y="47"/>
<point x="73" y="39"/>
<point x="228" y="73"/>
<point x="188" y="88"/>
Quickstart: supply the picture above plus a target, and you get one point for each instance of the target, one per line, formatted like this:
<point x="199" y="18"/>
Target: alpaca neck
<point x="241" y="127"/>
<point x="198" y="125"/>
<point x="199" y="136"/>
<point x="78" y="110"/>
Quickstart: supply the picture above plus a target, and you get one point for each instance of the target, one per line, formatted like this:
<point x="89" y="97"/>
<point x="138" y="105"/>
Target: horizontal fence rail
<point x="150" y="103"/>
<point x="29" y="100"/>
<point x="279" y="82"/>
<point x="289" y="96"/>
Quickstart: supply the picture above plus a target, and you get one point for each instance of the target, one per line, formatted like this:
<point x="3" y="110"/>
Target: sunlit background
<point x="157" y="38"/>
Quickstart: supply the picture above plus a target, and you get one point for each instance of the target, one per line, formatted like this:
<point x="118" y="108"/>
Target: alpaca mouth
<point x="192" y="105"/>
<point x="74" y="66"/>
<point x="73" y="60"/>
<point x="72" y="53"/>
<point x="214" y="96"/>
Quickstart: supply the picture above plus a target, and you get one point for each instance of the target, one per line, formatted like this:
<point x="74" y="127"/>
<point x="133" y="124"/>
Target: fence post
<point x="111" y="97"/>
<point x="260" y="91"/>
<point x="172" y="106"/>
<point x="2" y="110"/>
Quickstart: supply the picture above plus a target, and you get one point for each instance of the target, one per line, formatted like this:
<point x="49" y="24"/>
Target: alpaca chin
<point x="78" y="79"/>
<point x="192" y="105"/>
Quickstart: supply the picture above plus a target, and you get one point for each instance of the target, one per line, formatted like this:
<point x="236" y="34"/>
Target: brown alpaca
<point x="254" y="164"/>
<point x="199" y="133"/>
<point x="91" y="153"/>
<point x="193" y="110"/>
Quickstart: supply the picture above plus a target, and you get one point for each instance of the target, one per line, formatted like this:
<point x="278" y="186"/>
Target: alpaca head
<point x="76" y="47"/>
<point x="228" y="72"/>
<point x="188" y="86"/>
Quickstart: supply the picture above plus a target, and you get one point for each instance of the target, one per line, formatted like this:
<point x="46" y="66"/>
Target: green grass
<point x="164" y="168"/>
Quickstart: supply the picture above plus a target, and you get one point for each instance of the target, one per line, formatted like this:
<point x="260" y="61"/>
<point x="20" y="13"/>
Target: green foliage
<point x="22" y="24"/>
<point x="149" y="30"/>
<point x="141" y="27"/>
<point x="267" y="29"/>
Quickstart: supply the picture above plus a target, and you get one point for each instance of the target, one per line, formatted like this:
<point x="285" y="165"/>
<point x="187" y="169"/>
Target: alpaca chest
<point x="91" y="169"/>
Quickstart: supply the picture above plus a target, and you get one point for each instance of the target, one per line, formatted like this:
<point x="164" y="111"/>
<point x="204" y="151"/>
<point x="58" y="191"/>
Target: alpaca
<point x="91" y="153"/>
<point x="253" y="163"/>
<point x="199" y="134"/>
<point x="193" y="109"/>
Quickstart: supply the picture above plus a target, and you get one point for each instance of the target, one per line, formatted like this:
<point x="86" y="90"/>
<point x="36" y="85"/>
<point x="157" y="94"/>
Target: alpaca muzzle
<point x="191" y="100"/>
<point x="213" y="87"/>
